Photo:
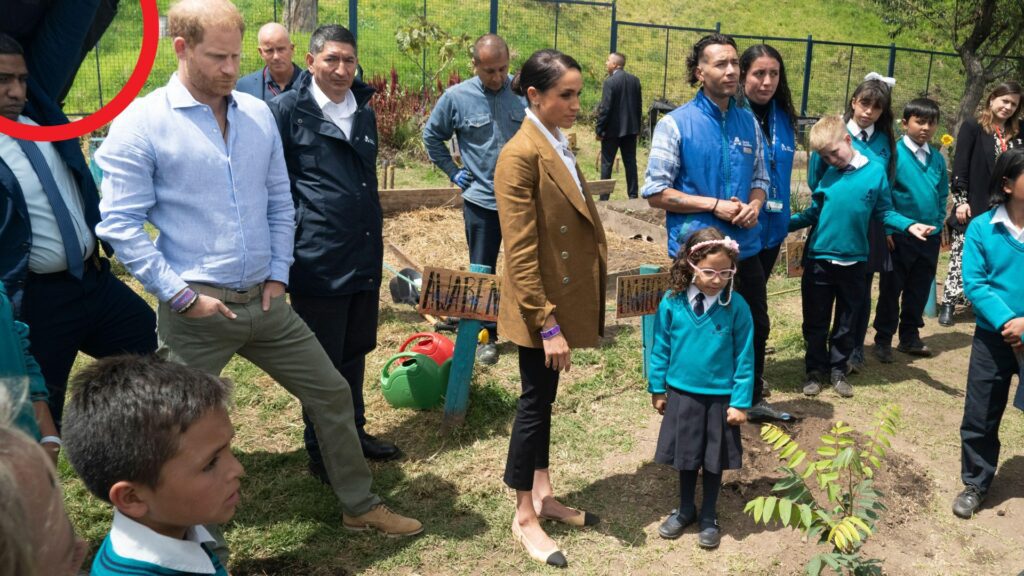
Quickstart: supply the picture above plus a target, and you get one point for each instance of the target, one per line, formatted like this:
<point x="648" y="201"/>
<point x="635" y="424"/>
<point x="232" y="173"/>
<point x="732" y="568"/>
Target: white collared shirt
<point x="691" y="295"/>
<point x="135" y="541"/>
<point x="340" y="113"/>
<point x="560" y="146"/>
<point x="47" y="253"/>
<point x="1001" y="216"/>
<point x="921" y="152"/>
<point x="855" y="129"/>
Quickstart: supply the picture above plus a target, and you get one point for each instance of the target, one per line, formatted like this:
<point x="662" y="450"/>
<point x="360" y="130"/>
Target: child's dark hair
<point x="126" y="416"/>
<point x="681" y="275"/>
<point x="879" y="94"/>
<point x="783" y="97"/>
<point x="1009" y="166"/>
<point x="542" y="70"/>
<point x="698" y="52"/>
<point x="925" y="109"/>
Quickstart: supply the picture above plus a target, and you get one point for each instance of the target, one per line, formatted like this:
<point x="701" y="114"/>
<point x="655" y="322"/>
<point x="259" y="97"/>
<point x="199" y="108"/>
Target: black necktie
<point x="698" y="304"/>
<point x="72" y="249"/>
<point x="864" y="135"/>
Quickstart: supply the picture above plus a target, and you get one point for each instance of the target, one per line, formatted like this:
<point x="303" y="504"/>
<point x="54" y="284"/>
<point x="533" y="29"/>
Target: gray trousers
<point x="280" y="343"/>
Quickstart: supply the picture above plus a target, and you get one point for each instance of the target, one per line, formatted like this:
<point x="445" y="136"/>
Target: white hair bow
<point x="887" y="80"/>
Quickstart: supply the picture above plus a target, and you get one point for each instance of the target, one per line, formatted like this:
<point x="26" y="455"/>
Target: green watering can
<point x="411" y="380"/>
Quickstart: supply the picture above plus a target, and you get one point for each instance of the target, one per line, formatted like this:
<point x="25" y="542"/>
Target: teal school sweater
<point x="108" y="563"/>
<point x="920" y="191"/>
<point x="993" y="269"/>
<point x="711" y="355"/>
<point x="841" y="207"/>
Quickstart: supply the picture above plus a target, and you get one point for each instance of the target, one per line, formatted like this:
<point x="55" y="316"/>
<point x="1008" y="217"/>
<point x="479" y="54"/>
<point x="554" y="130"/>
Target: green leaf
<point x="788" y="451"/>
<point x="826" y="451"/>
<point x="758" y="508"/>
<point x="785" y="511"/>
<point x="814" y="566"/>
<point x="827" y="439"/>
<point x="769" y="508"/>
<point x="797" y="459"/>
<point x="806" y="517"/>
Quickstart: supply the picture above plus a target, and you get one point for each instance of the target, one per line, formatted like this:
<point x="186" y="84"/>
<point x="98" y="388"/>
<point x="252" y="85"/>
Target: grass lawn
<point x="602" y="445"/>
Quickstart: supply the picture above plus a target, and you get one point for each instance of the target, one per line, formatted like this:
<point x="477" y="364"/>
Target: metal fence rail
<point x="822" y="74"/>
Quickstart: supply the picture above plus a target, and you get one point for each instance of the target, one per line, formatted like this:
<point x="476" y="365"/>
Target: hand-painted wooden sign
<point x="459" y="294"/>
<point x="639" y="294"/>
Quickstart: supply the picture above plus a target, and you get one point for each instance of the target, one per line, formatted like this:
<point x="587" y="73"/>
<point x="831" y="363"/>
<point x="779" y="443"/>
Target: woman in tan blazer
<point x="552" y="297"/>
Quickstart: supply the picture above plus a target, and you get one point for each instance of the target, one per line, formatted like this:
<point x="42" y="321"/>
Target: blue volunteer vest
<point x="716" y="154"/>
<point x="780" y="150"/>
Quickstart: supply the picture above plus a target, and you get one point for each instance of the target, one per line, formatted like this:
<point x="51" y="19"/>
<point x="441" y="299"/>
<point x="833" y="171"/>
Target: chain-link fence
<point x="822" y="74"/>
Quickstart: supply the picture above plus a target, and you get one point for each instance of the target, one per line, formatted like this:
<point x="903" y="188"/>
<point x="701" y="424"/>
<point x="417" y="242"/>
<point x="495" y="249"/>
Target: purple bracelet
<point x="184" y="300"/>
<point x="550" y="333"/>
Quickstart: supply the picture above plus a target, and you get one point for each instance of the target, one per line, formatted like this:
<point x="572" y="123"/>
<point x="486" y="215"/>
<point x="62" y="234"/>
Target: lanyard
<point x="726" y="163"/>
<point x="271" y="85"/>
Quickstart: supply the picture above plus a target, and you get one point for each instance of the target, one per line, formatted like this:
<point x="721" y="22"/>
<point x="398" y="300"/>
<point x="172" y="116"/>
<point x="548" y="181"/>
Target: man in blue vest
<point x="706" y="168"/>
<point x="50" y="263"/>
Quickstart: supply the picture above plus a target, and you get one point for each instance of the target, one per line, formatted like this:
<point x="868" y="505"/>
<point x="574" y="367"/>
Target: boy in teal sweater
<point x="919" y="191"/>
<point x="852" y="191"/>
<point x="153" y="438"/>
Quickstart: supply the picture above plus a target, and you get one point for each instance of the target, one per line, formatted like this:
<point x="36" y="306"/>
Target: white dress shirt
<point x="855" y="129"/>
<point x="136" y="541"/>
<point x="1001" y="216"/>
<point x="561" y="146"/>
<point x="340" y="113"/>
<point x="921" y="152"/>
<point x="47" y="253"/>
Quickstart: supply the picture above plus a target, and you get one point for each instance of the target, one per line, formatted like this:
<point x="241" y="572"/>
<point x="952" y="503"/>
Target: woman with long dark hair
<point x="766" y="93"/>
<point x="979" y="142"/>
<point x="553" y="286"/>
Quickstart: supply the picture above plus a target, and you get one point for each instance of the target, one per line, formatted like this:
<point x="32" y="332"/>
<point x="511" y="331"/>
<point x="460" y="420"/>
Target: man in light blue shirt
<point x="205" y="166"/>
<point x="484" y="114"/>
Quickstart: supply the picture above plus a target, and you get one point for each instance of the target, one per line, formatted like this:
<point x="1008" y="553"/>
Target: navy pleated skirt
<point x="694" y="434"/>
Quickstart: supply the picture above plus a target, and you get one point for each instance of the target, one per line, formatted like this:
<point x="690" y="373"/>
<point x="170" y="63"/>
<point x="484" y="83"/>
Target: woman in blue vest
<point x="766" y="93"/>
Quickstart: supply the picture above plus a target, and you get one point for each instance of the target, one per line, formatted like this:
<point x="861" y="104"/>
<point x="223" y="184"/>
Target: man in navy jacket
<point x="329" y="133"/>
<point x="51" y="265"/>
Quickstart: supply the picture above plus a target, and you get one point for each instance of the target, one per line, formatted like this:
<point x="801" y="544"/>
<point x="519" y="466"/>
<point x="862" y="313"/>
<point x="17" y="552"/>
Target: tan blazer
<point x="556" y="256"/>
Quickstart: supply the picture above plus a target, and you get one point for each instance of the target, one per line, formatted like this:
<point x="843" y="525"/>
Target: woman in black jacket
<point x="978" y="144"/>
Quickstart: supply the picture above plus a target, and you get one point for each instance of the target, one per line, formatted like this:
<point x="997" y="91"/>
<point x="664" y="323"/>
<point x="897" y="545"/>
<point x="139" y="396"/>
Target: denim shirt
<point x="483" y="121"/>
<point x="223" y="208"/>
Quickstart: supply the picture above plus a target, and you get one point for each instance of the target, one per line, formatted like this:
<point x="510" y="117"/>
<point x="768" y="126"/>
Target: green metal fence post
<point x="494" y="16"/>
<point x="615" y="29"/>
<point x="892" y="60"/>
<point x="353" y="21"/>
<point x="807" y="74"/>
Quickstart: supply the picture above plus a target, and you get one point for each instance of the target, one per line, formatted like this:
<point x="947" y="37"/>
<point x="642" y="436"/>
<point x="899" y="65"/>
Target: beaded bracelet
<point x="551" y="332"/>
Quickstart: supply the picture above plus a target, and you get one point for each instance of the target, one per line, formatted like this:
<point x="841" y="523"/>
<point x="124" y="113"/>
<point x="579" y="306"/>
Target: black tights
<point x="687" y="496"/>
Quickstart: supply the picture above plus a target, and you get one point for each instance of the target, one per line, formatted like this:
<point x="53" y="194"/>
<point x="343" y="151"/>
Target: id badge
<point x="773" y="206"/>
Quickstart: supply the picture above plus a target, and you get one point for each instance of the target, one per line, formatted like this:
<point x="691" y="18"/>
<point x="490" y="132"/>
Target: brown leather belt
<point x="228" y="295"/>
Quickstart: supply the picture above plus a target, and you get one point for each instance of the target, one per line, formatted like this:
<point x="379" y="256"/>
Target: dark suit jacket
<point x="619" y="112"/>
<point x="556" y="255"/>
<point x="973" y="163"/>
<point x="339" y="244"/>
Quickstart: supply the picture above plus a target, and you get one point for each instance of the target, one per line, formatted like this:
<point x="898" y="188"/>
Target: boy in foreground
<point x="153" y="438"/>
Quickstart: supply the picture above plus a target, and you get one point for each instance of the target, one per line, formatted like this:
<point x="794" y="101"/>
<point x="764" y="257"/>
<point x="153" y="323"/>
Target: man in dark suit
<point x="329" y="134"/>
<point x="50" y="265"/>
<point x="618" y="121"/>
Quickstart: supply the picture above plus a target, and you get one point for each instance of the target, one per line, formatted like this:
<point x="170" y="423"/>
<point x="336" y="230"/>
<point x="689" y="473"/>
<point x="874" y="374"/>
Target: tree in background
<point x="301" y="15"/>
<point x="987" y="34"/>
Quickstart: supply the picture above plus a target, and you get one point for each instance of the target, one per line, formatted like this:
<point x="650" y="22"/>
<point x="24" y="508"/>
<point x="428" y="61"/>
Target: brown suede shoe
<point x="383" y="520"/>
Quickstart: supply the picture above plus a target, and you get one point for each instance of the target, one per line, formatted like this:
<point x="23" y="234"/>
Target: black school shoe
<point x="710" y="536"/>
<point x="377" y="449"/>
<point x="883" y="352"/>
<point x="915" y="348"/>
<point x="674" y="525"/>
<point x="946" y="314"/>
<point x="968" y="502"/>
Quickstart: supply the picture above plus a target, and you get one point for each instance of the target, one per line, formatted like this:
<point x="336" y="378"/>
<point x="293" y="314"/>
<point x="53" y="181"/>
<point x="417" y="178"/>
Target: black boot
<point x="946" y="314"/>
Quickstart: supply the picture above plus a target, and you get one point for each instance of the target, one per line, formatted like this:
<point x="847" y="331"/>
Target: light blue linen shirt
<point x="484" y="121"/>
<point x="223" y="209"/>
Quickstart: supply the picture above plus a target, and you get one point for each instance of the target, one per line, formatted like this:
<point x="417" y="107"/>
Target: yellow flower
<point x="946" y="139"/>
